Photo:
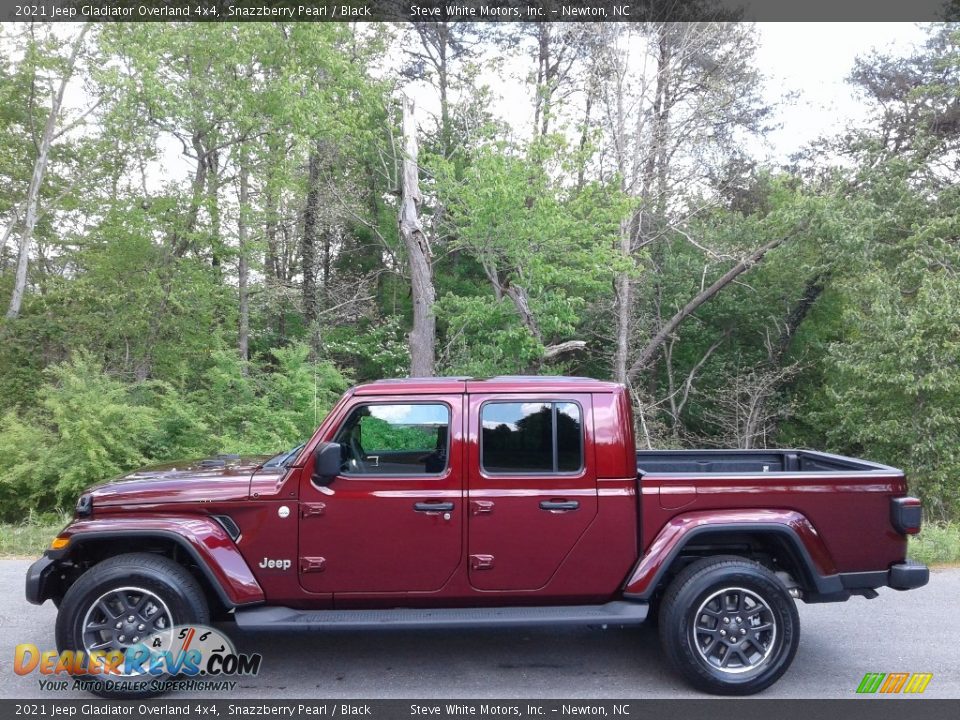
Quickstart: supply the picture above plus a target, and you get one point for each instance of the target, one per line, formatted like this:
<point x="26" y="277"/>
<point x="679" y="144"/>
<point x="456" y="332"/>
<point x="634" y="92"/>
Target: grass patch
<point x="31" y="537"/>
<point x="937" y="544"/>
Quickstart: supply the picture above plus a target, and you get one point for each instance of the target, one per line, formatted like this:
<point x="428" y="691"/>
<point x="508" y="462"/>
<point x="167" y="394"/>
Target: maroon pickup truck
<point x="459" y="502"/>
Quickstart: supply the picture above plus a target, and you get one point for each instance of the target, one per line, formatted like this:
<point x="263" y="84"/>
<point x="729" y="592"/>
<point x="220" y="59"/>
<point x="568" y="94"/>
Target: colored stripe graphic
<point x="918" y="682"/>
<point x="894" y="682"/>
<point x="870" y="682"/>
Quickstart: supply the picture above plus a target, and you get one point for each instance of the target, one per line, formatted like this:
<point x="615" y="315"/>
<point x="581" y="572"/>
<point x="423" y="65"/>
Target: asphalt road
<point x="896" y="632"/>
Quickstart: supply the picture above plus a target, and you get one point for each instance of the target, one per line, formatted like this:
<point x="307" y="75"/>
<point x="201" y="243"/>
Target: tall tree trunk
<point x="6" y="236"/>
<point x="654" y="191"/>
<point x="213" y="207"/>
<point x="443" y="78"/>
<point x="546" y="75"/>
<point x="422" y="336"/>
<point x="624" y="307"/>
<point x="36" y="179"/>
<point x="243" y="340"/>
<point x="584" y="137"/>
<point x="326" y="262"/>
<point x="309" y="247"/>
<point x="271" y="260"/>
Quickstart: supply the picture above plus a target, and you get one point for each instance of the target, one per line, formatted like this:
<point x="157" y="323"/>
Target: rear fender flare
<point x="203" y="538"/>
<point x="794" y="528"/>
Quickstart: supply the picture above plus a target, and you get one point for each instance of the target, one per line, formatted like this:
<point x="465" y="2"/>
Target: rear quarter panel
<point x="849" y="511"/>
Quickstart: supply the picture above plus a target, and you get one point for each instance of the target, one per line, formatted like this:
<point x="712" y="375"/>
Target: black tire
<point x="741" y="598"/>
<point x="171" y="583"/>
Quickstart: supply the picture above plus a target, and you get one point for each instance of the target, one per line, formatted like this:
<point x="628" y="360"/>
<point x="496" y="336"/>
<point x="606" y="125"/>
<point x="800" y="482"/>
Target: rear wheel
<point x="119" y="603"/>
<point x="729" y="626"/>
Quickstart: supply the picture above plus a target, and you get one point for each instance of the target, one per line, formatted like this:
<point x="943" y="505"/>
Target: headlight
<point x="84" y="505"/>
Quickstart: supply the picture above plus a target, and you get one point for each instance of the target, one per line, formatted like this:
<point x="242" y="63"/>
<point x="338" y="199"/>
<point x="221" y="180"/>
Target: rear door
<point x="392" y="521"/>
<point x="532" y="488"/>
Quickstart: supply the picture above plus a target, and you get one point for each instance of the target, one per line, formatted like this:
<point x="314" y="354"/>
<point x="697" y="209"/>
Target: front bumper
<point x="40" y="578"/>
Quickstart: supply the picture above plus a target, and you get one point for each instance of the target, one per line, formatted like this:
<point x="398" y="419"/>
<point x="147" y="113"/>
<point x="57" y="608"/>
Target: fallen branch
<point x="650" y="350"/>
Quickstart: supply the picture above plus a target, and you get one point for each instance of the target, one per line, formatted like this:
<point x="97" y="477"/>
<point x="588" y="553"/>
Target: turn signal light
<point x="59" y="543"/>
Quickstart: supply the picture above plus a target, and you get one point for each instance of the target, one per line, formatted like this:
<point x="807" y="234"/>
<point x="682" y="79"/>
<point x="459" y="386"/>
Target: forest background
<point x="620" y="225"/>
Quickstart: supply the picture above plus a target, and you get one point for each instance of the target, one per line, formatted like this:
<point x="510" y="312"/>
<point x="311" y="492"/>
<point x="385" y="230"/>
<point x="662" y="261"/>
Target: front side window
<point x="531" y="437"/>
<point x="395" y="439"/>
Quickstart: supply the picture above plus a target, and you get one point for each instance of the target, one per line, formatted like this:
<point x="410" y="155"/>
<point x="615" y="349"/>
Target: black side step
<point x="284" y="618"/>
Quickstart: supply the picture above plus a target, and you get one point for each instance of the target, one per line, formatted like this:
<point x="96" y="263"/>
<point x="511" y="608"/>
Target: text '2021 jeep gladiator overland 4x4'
<point x="454" y="502"/>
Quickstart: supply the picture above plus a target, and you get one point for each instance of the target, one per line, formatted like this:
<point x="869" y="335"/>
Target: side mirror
<point x="327" y="461"/>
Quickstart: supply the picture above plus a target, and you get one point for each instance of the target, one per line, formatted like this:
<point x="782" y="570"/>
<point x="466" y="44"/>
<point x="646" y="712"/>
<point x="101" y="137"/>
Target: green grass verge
<point x="28" y="539"/>
<point x="937" y="544"/>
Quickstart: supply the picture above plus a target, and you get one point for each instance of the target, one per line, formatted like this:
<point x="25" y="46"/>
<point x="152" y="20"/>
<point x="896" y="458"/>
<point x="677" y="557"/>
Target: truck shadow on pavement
<point x="528" y="662"/>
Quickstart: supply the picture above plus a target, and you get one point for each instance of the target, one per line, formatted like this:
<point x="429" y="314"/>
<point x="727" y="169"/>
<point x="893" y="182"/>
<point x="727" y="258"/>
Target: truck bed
<point x="742" y="462"/>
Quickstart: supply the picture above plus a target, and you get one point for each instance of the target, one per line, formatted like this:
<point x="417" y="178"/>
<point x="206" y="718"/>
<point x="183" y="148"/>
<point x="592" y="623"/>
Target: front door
<point x="532" y="488"/>
<point x="392" y="520"/>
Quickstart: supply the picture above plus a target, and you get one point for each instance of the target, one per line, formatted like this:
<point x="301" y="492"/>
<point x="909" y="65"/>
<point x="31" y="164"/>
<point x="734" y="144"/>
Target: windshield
<point x="283" y="459"/>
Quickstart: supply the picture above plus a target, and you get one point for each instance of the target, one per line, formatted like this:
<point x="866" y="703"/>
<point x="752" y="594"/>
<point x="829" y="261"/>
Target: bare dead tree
<point x="747" y="410"/>
<point x="423" y="335"/>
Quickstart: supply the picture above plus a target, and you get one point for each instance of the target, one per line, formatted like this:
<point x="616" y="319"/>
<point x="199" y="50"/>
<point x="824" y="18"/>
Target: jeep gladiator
<point x="460" y="502"/>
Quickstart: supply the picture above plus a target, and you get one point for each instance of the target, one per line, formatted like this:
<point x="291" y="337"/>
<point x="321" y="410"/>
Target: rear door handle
<point x="559" y="504"/>
<point x="433" y="506"/>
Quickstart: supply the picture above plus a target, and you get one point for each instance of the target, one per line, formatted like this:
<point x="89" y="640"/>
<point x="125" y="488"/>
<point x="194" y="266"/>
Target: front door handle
<point x="433" y="506"/>
<point x="563" y="505"/>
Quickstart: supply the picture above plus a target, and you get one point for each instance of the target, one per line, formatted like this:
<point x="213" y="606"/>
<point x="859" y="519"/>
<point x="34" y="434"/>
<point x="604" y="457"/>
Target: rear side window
<point x="531" y="437"/>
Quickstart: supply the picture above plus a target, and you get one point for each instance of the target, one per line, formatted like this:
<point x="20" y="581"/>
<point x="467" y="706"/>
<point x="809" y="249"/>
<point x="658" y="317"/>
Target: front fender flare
<point x="788" y="525"/>
<point x="203" y="538"/>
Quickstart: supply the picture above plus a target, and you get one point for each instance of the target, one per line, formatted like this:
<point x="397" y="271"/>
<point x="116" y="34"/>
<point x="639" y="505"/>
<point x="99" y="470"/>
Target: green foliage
<point x="90" y="426"/>
<point x="373" y="349"/>
<point x="25" y="483"/>
<point x="378" y="434"/>
<point x="86" y="428"/>
<point x="530" y="235"/>
<point x="937" y="544"/>
<point x="127" y="348"/>
<point x="100" y="431"/>
<point x="891" y="385"/>
<point x="267" y="408"/>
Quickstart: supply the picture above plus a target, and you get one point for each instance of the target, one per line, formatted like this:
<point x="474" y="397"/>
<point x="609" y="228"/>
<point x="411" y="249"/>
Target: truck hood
<point x="204" y="480"/>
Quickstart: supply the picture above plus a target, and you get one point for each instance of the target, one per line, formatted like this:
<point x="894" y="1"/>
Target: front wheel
<point x="121" y="602"/>
<point x="729" y="626"/>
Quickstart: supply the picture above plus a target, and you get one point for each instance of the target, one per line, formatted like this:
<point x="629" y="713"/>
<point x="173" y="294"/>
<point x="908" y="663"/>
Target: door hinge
<point x="312" y="509"/>
<point x="312" y="564"/>
<point x="481" y="507"/>
<point x="481" y="562"/>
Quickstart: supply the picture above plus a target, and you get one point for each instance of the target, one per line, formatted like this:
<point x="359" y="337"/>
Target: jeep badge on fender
<point x="498" y="501"/>
<point x="279" y="564"/>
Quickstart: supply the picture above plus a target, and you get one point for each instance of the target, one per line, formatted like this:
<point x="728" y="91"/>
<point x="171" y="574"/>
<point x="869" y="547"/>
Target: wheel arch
<point x="197" y="543"/>
<point x="790" y="540"/>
